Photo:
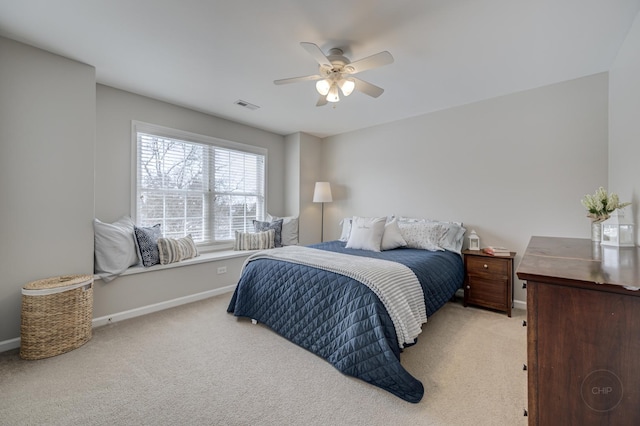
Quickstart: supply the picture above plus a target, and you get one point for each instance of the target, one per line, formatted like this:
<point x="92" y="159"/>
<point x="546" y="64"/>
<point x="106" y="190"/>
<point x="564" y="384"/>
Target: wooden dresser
<point x="583" y="332"/>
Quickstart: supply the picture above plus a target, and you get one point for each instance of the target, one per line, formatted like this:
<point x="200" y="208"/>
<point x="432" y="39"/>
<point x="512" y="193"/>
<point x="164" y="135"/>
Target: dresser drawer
<point x="487" y="265"/>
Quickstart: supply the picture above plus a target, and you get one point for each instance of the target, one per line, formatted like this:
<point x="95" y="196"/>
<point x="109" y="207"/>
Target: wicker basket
<point x="56" y="315"/>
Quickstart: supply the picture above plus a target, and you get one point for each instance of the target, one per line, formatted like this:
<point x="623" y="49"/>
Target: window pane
<point x="150" y="208"/>
<point x="195" y="205"/>
<point x="176" y="181"/>
<point x="175" y="205"/>
<point x="174" y="228"/>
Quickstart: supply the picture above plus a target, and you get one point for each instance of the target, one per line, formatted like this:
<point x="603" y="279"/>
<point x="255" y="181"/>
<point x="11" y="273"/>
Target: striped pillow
<point x="176" y="249"/>
<point x="255" y="240"/>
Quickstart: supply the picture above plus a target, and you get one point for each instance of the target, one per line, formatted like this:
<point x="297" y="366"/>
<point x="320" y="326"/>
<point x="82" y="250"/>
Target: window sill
<point x="211" y="256"/>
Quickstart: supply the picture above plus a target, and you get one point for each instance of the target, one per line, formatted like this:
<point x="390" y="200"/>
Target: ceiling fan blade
<point x="317" y="54"/>
<point x="368" y="88"/>
<point x="373" y="61"/>
<point x="299" y="79"/>
<point x="322" y="101"/>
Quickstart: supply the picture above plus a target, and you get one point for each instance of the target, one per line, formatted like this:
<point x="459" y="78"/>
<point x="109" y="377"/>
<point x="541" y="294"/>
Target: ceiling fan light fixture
<point x="347" y="85"/>
<point x="323" y="86"/>
<point x="332" y="96"/>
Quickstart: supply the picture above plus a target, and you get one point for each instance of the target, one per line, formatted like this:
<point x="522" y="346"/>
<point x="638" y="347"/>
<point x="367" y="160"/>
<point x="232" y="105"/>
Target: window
<point x="194" y="184"/>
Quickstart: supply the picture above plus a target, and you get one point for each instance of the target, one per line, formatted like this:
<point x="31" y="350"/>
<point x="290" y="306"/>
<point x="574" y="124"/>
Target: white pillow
<point x="346" y="229"/>
<point x="114" y="247"/>
<point x="453" y="238"/>
<point x="289" y="233"/>
<point x="392" y="238"/>
<point x="366" y="233"/>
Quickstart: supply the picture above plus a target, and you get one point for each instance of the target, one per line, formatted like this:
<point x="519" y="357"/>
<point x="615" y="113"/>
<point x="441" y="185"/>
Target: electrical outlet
<point x="222" y="270"/>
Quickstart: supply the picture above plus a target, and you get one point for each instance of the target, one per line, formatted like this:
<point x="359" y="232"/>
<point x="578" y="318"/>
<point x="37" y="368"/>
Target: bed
<point x="338" y="318"/>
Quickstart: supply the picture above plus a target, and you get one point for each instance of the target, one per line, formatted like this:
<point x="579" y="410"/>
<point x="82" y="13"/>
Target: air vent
<point x="246" y="104"/>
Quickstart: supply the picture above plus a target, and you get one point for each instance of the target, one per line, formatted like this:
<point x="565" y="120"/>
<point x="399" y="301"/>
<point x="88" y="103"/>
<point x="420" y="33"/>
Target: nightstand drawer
<point x="487" y="265"/>
<point x="491" y="293"/>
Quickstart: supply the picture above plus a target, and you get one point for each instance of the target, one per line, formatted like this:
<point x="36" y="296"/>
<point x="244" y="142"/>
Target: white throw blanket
<point x="396" y="285"/>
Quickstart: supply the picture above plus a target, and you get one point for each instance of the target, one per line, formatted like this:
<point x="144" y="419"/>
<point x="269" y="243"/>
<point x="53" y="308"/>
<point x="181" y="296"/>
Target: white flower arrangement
<point x="601" y="204"/>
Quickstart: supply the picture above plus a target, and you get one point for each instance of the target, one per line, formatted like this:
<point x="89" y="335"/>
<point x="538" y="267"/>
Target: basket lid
<point x="56" y="282"/>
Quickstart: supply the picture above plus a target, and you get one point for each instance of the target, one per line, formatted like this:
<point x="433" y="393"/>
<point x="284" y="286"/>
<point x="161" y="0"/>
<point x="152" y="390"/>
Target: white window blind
<point x="197" y="188"/>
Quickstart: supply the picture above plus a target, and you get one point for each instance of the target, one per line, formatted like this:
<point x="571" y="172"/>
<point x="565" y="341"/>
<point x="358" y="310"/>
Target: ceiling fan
<point x="336" y="73"/>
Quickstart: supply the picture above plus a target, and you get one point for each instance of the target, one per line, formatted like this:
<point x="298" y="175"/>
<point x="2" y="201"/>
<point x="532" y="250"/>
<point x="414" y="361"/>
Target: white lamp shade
<point x="322" y="193"/>
<point x="333" y="94"/>
<point x="347" y="85"/>
<point x="323" y="86"/>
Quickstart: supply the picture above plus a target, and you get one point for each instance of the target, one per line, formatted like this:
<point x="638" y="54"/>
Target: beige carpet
<point x="196" y="364"/>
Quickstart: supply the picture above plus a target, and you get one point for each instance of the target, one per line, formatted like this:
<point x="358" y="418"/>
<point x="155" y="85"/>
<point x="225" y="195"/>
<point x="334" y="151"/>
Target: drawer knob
<point x="524" y="285"/>
<point x="524" y="323"/>
<point x="525" y="413"/>
<point x="486" y="266"/>
<point x="524" y="367"/>
<point x="468" y="287"/>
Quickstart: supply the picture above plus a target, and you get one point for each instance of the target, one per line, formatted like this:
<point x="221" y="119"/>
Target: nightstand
<point x="488" y="280"/>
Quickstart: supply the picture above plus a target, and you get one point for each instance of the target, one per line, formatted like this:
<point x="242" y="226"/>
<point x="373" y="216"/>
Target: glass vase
<point x="596" y="232"/>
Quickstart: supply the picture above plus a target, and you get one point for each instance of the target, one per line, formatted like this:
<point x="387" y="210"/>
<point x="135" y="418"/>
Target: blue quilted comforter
<point x="340" y="319"/>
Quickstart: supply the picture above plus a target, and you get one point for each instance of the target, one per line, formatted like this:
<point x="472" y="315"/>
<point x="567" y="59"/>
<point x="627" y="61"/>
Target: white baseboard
<point x="519" y="304"/>
<point x="132" y="313"/>
<point x="7" y="345"/>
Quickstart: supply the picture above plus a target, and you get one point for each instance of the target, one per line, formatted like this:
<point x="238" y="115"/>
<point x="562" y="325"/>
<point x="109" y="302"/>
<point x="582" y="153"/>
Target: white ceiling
<point x="206" y="55"/>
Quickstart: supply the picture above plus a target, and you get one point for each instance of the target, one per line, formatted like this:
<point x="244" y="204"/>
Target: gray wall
<point x="624" y="128"/>
<point x="303" y="153"/>
<point x="47" y="143"/>
<point x="115" y="111"/>
<point x="509" y="167"/>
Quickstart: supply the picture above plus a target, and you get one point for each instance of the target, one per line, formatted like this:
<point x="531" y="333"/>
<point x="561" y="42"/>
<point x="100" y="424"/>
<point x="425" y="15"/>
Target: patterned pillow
<point x="255" y="240"/>
<point x="276" y="225"/>
<point x="147" y="241"/>
<point x="452" y="237"/>
<point x="176" y="249"/>
<point x="423" y="235"/>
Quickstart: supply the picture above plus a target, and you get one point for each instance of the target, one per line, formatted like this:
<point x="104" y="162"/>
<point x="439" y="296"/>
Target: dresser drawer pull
<point x="486" y="266"/>
<point x="524" y="323"/>
<point x="468" y="287"/>
<point x="525" y="413"/>
<point x="524" y="367"/>
<point x="524" y="285"/>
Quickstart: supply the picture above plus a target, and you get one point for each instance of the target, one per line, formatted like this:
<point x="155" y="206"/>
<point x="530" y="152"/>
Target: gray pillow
<point x="289" y="235"/>
<point x="147" y="239"/>
<point x="276" y="225"/>
<point x="114" y="247"/>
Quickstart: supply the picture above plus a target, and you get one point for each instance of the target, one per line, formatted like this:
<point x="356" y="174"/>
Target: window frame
<point x="170" y="133"/>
